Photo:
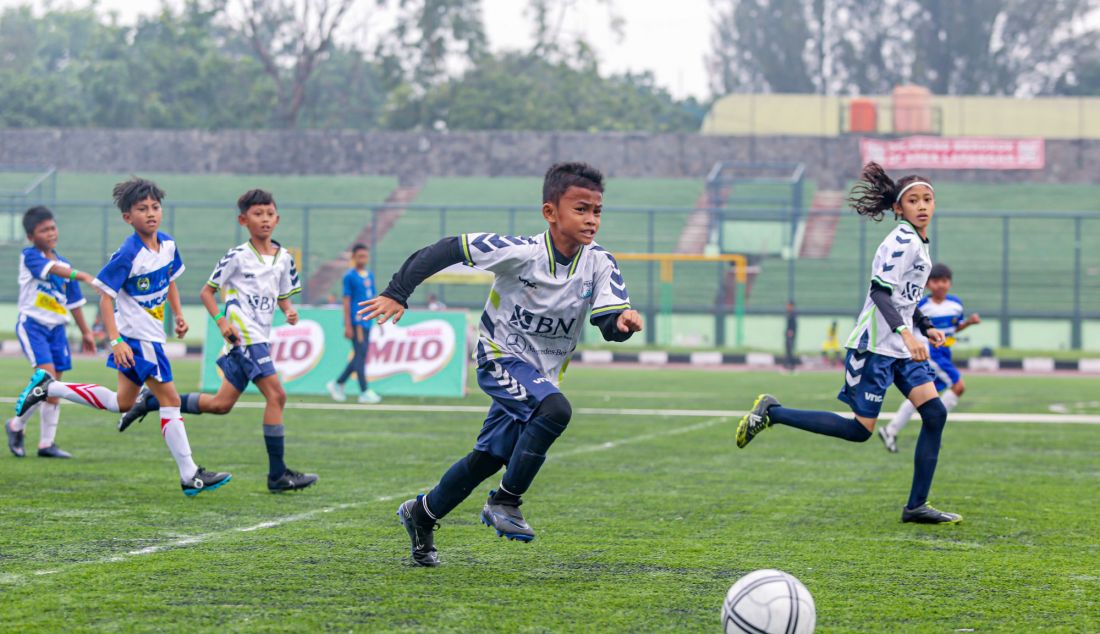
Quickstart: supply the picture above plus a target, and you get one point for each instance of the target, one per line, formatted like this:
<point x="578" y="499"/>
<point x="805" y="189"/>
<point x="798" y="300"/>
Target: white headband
<point x="911" y="185"/>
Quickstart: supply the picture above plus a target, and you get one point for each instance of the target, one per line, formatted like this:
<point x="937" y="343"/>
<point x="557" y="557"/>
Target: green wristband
<point x="902" y="328"/>
<point x="72" y="274"/>
<point x="119" y="340"/>
<point x="219" y="315"/>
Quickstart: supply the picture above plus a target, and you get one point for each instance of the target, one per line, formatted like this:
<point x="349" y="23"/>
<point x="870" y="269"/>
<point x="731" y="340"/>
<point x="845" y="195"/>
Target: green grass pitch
<point x="643" y="520"/>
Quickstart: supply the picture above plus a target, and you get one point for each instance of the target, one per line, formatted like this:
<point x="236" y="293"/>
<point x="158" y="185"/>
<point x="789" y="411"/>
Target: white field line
<point x="191" y="540"/>
<point x="962" y="417"/>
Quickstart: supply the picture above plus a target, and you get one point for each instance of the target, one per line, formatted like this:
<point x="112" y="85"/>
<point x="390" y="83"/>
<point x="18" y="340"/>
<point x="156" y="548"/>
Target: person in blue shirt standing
<point x="358" y="288"/>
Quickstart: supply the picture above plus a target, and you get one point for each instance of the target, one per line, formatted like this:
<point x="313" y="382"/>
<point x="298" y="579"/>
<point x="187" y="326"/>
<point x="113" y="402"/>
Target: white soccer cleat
<point x="336" y="391"/>
<point x="370" y="397"/>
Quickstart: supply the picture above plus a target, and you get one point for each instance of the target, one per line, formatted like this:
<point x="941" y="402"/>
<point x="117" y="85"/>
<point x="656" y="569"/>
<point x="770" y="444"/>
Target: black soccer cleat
<point x="506" y="519"/>
<point x="137" y="412"/>
<point x="422" y="537"/>
<point x="37" y="390"/>
<point x="203" y="480"/>
<point x="15" y="440"/>
<point x="756" y="420"/>
<point x="53" y="451"/>
<point x="925" y="514"/>
<point x="291" y="480"/>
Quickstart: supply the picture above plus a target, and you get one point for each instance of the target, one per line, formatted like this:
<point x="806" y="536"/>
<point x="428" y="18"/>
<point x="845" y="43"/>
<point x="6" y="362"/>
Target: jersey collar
<point x="278" y="250"/>
<point x="551" y="252"/>
<point x="904" y="221"/>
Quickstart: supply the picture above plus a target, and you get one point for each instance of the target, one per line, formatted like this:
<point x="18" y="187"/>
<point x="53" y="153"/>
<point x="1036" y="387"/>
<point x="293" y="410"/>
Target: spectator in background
<point x="434" y="303"/>
<point x="789" y="335"/>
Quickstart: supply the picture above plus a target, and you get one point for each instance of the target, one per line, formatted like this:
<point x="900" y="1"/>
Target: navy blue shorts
<point x="946" y="372"/>
<point x="243" y="364"/>
<point x="867" y="377"/>
<point x="150" y="362"/>
<point x="44" y="344"/>
<point x="517" y="388"/>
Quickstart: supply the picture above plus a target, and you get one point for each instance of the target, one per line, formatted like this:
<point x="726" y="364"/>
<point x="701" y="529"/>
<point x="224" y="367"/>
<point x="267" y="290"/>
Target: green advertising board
<point x="424" y="355"/>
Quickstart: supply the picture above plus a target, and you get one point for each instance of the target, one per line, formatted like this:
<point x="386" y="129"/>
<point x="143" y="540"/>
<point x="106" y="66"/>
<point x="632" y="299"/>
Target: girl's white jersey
<point x="537" y="306"/>
<point x="902" y="265"/>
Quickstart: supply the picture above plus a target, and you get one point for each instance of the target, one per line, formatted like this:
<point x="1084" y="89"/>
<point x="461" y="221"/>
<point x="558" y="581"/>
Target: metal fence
<point x="1012" y="265"/>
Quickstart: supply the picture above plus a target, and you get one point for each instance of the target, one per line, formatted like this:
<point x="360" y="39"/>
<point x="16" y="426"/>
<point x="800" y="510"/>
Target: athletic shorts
<point x="243" y="364"/>
<point x="44" y="344"/>
<point x="150" y="362"/>
<point x="946" y="372"/>
<point x="867" y="377"/>
<point x="516" y="388"/>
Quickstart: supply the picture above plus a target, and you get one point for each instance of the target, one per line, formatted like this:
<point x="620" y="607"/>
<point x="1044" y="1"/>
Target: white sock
<point x="19" y="423"/>
<point x="950" y="400"/>
<point x="49" y="413"/>
<point x="88" y="394"/>
<point x="898" y="422"/>
<point x="171" y="426"/>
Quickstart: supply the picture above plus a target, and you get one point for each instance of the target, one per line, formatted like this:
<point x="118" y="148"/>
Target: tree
<point x="290" y="38"/>
<point x="985" y="47"/>
<point x="518" y="91"/>
<point x="430" y="35"/>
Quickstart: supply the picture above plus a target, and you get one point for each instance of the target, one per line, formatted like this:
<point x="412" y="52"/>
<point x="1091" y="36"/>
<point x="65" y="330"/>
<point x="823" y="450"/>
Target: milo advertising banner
<point x="424" y="355"/>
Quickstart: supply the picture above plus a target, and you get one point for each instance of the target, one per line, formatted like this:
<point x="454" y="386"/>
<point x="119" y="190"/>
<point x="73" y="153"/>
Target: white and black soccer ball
<point x="768" y="602"/>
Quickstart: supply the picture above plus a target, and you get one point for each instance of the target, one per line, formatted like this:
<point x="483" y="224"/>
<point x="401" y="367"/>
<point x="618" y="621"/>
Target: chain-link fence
<point x="1008" y="265"/>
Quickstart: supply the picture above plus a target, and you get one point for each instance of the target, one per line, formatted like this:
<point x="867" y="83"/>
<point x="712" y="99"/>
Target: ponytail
<point x="874" y="193"/>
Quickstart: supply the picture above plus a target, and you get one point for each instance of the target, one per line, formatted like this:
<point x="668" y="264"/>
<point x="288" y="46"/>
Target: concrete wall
<point x="413" y="155"/>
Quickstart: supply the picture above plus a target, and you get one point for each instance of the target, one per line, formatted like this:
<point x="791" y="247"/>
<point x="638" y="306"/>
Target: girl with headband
<point x="882" y="349"/>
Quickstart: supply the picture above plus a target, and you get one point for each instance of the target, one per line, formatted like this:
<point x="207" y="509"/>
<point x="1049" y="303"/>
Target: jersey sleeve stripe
<point x="466" y="248"/>
<point x="609" y="309"/>
<point x="212" y="284"/>
<point x="878" y="280"/>
<point x="293" y="291"/>
<point x="102" y="286"/>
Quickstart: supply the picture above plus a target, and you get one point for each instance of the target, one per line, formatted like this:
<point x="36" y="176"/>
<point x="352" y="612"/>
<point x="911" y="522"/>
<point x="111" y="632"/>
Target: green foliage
<point x="643" y="521"/>
<point x="978" y="47"/>
<point x="515" y="91"/>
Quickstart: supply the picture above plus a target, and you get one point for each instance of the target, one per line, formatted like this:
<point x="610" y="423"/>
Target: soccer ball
<point x="768" y="602"/>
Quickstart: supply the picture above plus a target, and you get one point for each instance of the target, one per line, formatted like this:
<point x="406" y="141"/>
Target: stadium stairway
<point x="328" y="273"/>
<point x="696" y="231"/>
<point x="817" y="238"/>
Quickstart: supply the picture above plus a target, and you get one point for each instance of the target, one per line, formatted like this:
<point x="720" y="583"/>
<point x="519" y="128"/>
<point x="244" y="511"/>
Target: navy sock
<point x="189" y="403"/>
<point x="826" y="423"/>
<point x="152" y="404"/>
<point x="933" y="417"/>
<point x="273" y="438"/>
<point x="456" y="485"/>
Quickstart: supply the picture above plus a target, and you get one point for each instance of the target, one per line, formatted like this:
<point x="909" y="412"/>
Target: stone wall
<point x="414" y="155"/>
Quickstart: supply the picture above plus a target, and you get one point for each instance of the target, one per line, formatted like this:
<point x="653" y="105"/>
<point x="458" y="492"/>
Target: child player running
<point x="948" y="316"/>
<point x="544" y="287"/>
<point x="134" y="286"/>
<point x="256" y="276"/>
<point x="48" y="298"/>
<point x="882" y="349"/>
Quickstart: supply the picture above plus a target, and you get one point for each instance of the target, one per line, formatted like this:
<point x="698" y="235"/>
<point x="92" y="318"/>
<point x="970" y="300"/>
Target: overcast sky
<point x="670" y="42"/>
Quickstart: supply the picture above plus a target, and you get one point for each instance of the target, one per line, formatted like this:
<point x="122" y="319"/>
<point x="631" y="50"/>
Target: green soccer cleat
<point x="756" y="420"/>
<point x="925" y="514"/>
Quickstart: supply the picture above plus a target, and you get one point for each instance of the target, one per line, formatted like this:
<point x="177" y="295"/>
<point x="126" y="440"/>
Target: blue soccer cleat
<point x="37" y="390"/>
<point x="422" y="537"/>
<point x="15" y="441"/>
<point x="506" y="519"/>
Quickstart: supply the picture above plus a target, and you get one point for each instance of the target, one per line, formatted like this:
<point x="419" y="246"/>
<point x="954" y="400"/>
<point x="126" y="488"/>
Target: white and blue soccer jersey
<point x="946" y="315"/>
<point x="253" y="286"/>
<point x="46" y="298"/>
<point x="901" y="264"/>
<point x="537" y="306"/>
<point x="138" y="280"/>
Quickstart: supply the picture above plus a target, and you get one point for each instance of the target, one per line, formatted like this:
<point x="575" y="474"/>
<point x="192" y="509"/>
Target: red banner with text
<point x="951" y="153"/>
